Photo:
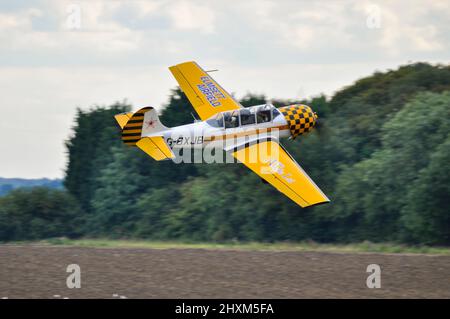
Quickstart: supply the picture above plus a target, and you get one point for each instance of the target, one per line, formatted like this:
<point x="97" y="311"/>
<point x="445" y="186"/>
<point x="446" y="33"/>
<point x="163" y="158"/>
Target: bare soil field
<point x="30" y="271"/>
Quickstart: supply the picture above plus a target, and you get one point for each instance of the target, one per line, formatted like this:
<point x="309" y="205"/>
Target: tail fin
<point x="123" y="118"/>
<point x="134" y="126"/>
<point x="144" y="130"/>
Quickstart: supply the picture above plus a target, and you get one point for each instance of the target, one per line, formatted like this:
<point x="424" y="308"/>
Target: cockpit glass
<point x="275" y="112"/>
<point x="247" y="116"/>
<point x="216" y="121"/>
<point x="264" y="114"/>
<point x="231" y="119"/>
<point x="244" y="116"/>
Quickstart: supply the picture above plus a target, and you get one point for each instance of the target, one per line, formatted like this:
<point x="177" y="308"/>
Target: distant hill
<point x="8" y="184"/>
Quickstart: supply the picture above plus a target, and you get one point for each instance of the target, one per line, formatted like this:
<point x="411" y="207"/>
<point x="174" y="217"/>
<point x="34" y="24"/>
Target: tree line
<point x="381" y="154"/>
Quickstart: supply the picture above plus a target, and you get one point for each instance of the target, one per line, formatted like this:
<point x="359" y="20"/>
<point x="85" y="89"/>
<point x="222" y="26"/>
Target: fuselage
<point x="229" y="128"/>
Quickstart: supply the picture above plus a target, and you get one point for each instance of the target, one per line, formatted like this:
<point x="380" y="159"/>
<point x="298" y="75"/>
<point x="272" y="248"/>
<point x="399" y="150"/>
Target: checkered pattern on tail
<point x="300" y="118"/>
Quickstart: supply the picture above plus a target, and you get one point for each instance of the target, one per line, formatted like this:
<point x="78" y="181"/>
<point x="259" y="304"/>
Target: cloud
<point x="256" y="32"/>
<point x="410" y="27"/>
<point x="97" y="34"/>
<point x="285" y="49"/>
<point x="341" y="27"/>
<point x="191" y="16"/>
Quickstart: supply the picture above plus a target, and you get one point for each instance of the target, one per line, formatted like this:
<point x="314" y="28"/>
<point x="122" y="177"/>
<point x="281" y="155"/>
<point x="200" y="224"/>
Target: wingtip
<point x="182" y="63"/>
<point x="319" y="203"/>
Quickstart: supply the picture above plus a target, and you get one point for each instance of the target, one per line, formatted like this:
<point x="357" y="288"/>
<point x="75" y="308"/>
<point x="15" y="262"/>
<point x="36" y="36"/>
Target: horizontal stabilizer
<point x="156" y="147"/>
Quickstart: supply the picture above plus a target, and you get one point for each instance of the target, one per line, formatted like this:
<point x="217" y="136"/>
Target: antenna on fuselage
<point x="195" y="119"/>
<point x="213" y="70"/>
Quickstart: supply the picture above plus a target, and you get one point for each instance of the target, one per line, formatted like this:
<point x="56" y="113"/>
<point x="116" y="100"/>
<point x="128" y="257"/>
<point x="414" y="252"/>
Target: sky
<point x="56" y="56"/>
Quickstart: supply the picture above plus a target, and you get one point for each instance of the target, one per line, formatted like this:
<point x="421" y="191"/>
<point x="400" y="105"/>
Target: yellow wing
<point x="206" y="95"/>
<point x="271" y="162"/>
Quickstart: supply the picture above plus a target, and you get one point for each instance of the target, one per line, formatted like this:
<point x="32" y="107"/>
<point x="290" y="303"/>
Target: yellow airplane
<point x="251" y="135"/>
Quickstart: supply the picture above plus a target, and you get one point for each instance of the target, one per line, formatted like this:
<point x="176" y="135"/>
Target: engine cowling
<point x="300" y="118"/>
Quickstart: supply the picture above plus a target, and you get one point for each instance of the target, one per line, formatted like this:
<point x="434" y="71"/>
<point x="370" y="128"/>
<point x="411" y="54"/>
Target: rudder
<point x="136" y="125"/>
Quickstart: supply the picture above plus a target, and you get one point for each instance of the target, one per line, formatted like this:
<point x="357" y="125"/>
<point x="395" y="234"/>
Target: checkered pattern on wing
<point x="300" y="118"/>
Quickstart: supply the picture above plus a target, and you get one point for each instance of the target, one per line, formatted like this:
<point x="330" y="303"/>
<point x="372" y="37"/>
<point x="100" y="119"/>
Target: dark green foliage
<point x="113" y="203"/>
<point x="178" y="110"/>
<point x="96" y="131"/>
<point x="386" y="184"/>
<point x="425" y="215"/>
<point x="251" y="99"/>
<point x="37" y="213"/>
<point x="362" y="109"/>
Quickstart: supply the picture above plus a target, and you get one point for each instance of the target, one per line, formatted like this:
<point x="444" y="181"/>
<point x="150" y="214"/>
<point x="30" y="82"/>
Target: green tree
<point x="157" y="205"/>
<point x="39" y="212"/>
<point x="94" y="133"/>
<point x="375" y="191"/>
<point x="178" y="110"/>
<point x="426" y="217"/>
<point x="118" y="186"/>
